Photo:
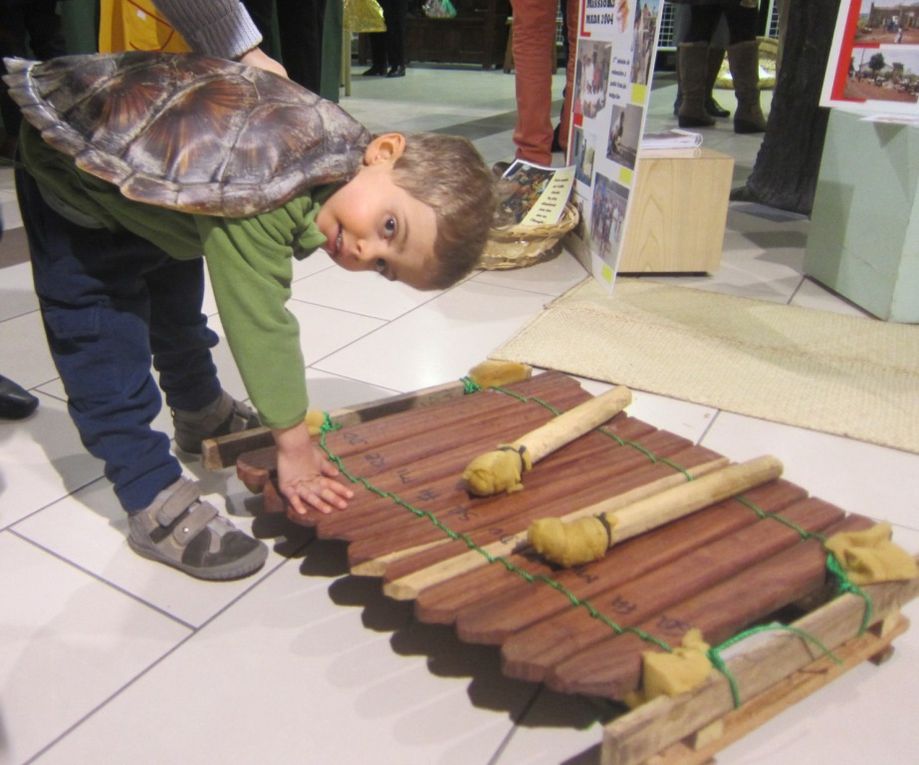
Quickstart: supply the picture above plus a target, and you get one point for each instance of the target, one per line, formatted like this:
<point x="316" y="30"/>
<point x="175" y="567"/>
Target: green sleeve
<point x="249" y="262"/>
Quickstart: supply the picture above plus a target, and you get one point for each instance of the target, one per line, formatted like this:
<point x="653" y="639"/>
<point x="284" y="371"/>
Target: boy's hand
<point x="306" y="478"/>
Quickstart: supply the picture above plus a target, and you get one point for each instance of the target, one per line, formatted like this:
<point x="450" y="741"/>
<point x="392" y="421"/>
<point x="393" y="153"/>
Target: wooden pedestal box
<point x="677" y="212"/>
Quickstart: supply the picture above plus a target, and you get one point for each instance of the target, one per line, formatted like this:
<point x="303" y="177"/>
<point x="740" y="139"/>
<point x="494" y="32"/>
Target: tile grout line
<point x="192" y="632"/>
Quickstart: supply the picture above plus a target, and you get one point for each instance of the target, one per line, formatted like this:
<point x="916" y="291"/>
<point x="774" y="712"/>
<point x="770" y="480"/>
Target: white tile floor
<point x="107" y="658"/>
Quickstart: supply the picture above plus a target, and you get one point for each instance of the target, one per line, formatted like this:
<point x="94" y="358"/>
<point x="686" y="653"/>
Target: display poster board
<point x="874" y="61"/>
<point x="617" y="41"/>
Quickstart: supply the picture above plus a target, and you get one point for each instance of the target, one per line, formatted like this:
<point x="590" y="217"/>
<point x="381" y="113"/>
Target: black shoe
<point x="375" y="71"/>
<point x="556" y="144"/>
<point x="715" y="109"/>
<point x="16" y="403"/>
<point x="396" y="71"/>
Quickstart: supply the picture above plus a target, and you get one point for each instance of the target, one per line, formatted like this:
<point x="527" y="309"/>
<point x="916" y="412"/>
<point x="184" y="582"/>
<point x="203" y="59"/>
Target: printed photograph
<point x="607" y="215"/>
<point x="591" y="78"/>
<point x="645" y="27"/>
<point x="888" y="22"/>
<point x="518" y="190"/>
<point x="624" y="135"/>
<point x="583" y="157"/>
<point x="885" y="73"/>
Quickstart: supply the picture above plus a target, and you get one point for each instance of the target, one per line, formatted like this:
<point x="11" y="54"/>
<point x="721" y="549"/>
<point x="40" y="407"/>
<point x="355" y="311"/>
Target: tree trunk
<point x="785" y="171"/>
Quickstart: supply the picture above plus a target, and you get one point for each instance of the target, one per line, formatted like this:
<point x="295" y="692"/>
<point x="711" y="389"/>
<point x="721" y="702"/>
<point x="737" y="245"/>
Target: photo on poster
<point x="644" y="27"/>
<point x="591" y="78"/>
<point x="583" y="157"/>
<point x="624" y="135"/>
<point x="613" y="68"/>
<point x="579" y="232"/>
<point x="873" y="67"/>
<point x="608" y="208"/>
<point x="883" y="73"/>
<point x="532" y="194"/>
<point x="888" y="22"/>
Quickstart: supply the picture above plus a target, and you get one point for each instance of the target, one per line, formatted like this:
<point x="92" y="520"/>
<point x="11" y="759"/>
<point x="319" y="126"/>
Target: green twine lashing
<point x="845" y="584"/>
<point x="717" y="660"/>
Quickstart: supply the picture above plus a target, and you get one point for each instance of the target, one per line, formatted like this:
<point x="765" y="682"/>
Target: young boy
<point x="121" y="282"/>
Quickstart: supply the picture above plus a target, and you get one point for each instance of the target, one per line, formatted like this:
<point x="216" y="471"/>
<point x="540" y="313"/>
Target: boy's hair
<point x="448" y="174"/>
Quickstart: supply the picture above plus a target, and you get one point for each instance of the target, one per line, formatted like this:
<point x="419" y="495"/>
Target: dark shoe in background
<point x="375" y="71"/>
<point x="396" y="71"/>
<point x="16" y="403"/>
<point x="556" y="144"/>
<point x="715" y="109"/>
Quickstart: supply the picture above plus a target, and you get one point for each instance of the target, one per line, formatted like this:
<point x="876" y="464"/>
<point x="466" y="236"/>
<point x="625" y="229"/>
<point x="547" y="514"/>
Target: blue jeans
<point x="112" y="305"/>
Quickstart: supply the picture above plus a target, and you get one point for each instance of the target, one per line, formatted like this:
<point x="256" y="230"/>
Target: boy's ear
<point x="387" y="147"/>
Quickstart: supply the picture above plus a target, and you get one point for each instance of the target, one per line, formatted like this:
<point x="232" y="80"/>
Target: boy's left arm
<point x="249" y="262"/>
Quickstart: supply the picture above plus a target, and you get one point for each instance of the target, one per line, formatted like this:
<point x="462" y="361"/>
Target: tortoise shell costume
<point x="197" y="155"/>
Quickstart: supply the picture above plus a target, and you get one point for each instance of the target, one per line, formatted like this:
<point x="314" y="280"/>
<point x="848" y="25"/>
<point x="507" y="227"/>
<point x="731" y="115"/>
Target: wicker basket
<point x="519" y="246"/>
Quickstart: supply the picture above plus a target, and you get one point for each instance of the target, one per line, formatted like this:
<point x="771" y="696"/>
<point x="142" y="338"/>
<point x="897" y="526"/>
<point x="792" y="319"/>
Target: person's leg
<point x="377" y="54"/>
<point x="534" y="33"/>
<point x="693" y="66"/>
<point x="12" y="43"/>
<point x="95" y="311"/>
<point x="95" y="304"/>
<point x="743" y="58"/>
<point x="717" y="48"/>
<point x="378" y="46"/>
<point x="680" y="15"/>
<point x="396" y="11"/>
<point x="571" y="31"/>
<point x="46" y="34"/>
<point x="181" y="341"/>
<point x="300" y="24"/>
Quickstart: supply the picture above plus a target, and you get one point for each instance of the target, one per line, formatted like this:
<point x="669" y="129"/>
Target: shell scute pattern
<point x="189" y="132"/>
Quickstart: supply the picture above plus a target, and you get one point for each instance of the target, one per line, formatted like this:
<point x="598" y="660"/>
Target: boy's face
<point x="371" y="224"/>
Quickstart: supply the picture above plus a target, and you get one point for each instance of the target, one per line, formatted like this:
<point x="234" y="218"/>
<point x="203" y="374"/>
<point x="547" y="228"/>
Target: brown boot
<point x="715" y="58"/>
<point x="693" y="69"/>
<point x="744" y="61"/>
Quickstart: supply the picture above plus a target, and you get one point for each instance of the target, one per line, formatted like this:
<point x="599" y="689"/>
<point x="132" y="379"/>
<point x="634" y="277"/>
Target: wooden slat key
<point x="411" y="585"/>
<point x="501" y="469"/>
<point x="223" y="451"/>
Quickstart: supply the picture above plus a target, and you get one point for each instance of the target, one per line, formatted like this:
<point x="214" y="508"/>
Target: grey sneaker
<point x="225" y="415"/>
<point x="180" y="530"/>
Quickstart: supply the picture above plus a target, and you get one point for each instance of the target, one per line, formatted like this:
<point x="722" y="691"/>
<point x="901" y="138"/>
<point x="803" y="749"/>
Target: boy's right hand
<point x="306" y="478"/>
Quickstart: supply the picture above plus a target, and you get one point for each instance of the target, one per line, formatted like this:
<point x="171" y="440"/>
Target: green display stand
<point x="80" y="22"/>
<point x="331" y="51"/>
<point x="864" y="235"/>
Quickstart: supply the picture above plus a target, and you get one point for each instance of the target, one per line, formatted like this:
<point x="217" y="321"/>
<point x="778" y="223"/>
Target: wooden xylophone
<point x="583" y="630"/>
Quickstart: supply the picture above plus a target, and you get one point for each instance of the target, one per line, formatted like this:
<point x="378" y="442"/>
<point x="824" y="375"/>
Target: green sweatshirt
<point x="248" y="260"/>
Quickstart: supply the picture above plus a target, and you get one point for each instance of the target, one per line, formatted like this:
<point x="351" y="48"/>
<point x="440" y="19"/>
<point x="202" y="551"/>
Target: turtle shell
<point x="186" y="131"/>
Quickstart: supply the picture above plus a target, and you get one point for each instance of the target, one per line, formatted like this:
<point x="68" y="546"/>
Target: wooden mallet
<point x="501" y="469"/>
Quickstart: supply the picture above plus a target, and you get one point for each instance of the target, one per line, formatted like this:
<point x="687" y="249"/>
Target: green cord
<point x="845" y="584"/>
<point x="717" y="660"/>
